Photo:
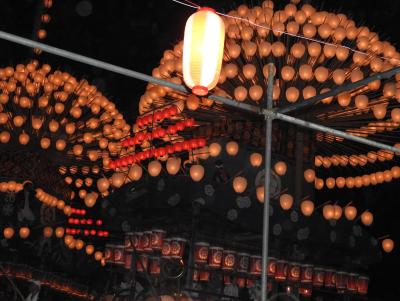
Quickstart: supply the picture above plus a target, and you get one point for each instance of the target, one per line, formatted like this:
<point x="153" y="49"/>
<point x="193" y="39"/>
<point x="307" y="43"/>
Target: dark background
<point x="134" y="34"/>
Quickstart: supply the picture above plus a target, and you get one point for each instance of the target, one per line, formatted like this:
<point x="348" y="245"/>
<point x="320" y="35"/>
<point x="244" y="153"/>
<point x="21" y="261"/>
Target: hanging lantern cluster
<point x="52" y="201"/>
<point x="11" y="186"/>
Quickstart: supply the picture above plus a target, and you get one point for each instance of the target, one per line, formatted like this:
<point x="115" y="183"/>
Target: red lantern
<point x="145" y="241"/>
<point x="281" y="270"/>
<point x="255" y="265"/>
<point x="306" y="273"/>
<point x="154" y="267"/>
<point x="142" y="263"/>
<point x="204" y="276"/>
<point x="305" y="291"/>
<point x="128" y="241"/>
<point x="201" y="252"/>
<point x="157" y="238"/>
<point x="294" y="272"/>
<point x="227" y="280"/>
<point x="228" y="260"/>
<point x="330" y="278"/>
<point x="195" y="275"/>
<point x="341" y="282"/>
<point x="362" y="285"/>
<point x="119" y="255"/>
<point x="108" y="254"/>
<point x="128" y="260"/>
<point x="215" y="258"/>
<point x="166" y="248"/>
<point x="241" y="282"/>
<point x="352" y="283"/>
<point x="271" y="267"/>
<point x="243" y="262"/>
<point x="177" y="247"/>
<point x="137" y="236"/>
<point x="318" y="277"/>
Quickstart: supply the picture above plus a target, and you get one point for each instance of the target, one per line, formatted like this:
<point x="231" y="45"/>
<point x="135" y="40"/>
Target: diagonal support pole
<point x="267" y="181"/>
<point x="229" y="102"/>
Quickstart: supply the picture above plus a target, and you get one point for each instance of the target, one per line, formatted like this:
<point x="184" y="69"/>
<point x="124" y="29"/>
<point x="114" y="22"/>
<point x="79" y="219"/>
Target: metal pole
<point x="230" y="102"/>
<point x="267" y="180"/>
<point x="340" y="89"/>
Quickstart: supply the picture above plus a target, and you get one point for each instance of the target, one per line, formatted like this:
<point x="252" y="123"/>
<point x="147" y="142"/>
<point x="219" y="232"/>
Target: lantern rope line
<point x="192" y="5"/>
<point x="291" y="34"/>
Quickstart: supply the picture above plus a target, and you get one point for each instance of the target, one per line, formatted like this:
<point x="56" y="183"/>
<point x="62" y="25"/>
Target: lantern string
<point x="289" y="34"/>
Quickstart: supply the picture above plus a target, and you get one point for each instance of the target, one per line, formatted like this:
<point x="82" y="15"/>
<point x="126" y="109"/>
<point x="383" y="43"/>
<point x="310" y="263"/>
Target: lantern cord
<point x="187" y="4"/>
<point x="291" y="34"/>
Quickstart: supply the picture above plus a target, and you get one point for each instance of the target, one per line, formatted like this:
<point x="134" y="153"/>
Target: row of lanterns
<point x="52" y="201"/>
<point x="11" y="186"/>
<point x="46" y="279"/>
<point x="157" y="116"/>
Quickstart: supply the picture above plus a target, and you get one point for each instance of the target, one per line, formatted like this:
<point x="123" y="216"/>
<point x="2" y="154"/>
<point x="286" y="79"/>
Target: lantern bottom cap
<point x="200" y="90"/>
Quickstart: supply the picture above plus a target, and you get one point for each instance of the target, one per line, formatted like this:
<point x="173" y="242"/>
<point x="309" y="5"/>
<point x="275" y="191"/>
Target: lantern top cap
<point x="207" y="9"/>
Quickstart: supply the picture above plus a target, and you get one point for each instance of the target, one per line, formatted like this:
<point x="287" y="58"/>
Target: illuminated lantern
<point x="173" y="165"/>
<point x="135" y="172"/>
<point x="192" y="102"/>
<point x="255" y="265"/>
<point x="260" y="194"/>
<point x="166" y="248"/>
<point x="24" y="232"/>
<point x="352" y="282"/>
<point x="232" y="148"/>
<point x="341" y="281"/>
<point x="119" y="255"/>
<point x="387" y="245"/>
<point x="59" y="232"/>
<point x="329" y="278"/>
<point x="271" y="269"/>
<point x="118" y="179"/>
<point x="367" y="218"/>
<point x="201" y="252"/>
<point x="154" y="168"/>
<point x="256" y="159"/>
<point x="330" y="183"/>
<point x="228" y="260"/>
<point x="177" y="247"/>
<point x="362" y="285"/>
<point x="293" y="272"/>
<point x="350" y="212"/>
<point x="280" y="168"/>
<point x="68" y="239"/>
<point x="286" y="201"/>
<point x="214" y="149"/>
<point x="309" y="175"/>
<point x="128" y="259"/>
<point x="154" y="265"/>
<point x="156" y="239"/>
<point x="329" y="212"/>
<point x="281" y="270"/>
<point x="47" y="232"/>
<point x="103" y="184"/>
<point x="203" y="49"/>
<point x="243" y="262"/>
<point x="144" y="241"/>
<point x="8" y="233"/>
<point x="215" y="257"/>
<point x="319" y="183"/>
<point x="337" y="212"/>
<point x="90" y="199"/>
<point x="305" y="291"/>
<point x="79" y="244"/>
<point x="142" y="263"/>
<point x="98" y="255"/>
<point x="239" y="184"/>
<point x="307" y="207"/>
<point x="306" y="273"/>
<point x="89" y="249"/>
<point x="196" y="172"/>
<point x="318" y="277"/>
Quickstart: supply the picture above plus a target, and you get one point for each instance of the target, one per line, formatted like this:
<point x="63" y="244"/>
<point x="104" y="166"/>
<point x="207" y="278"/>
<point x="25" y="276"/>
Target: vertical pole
<point x="267" y="180"/>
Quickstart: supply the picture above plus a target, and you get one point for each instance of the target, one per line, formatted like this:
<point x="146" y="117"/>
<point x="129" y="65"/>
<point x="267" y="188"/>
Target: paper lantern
<point x="156" y="239"/>
<point x="108" y="253"/>
<point x="387" y="245"/>
<point x="228" y="260"/>
<point x="154" y="265"/>
<point x="293" y="272"/>
<point x="243" y="262"/>
<point x="318" y="277"/>
<point x="286" y="201"/>
<point x="192" y="102"/>
<point x="306" y="273"/>
<point x="341" y="281"/>
<point x="144" y="242"/>
<point x="329" y="212"/>
<point x="255" y="265"/>
<point x="68" y="239"/>
<point x="142" y="263"/>
<point x="367" y="218"/>
<point x="239" y="184"/>
<point x="79" y="244"/>
<point x="281" y="270"/>
<point x="8" y="233"/>
<point x="59" y="232"/>
<point x="260" y="194"/>
<point x="118" y="179"/>
<point x="307" y="207"/>
<point x="177" y="247"/>
<point x="196" y="172"/>
<point x="90" y="199"/>
<point x="89" y="249"/>
<point x="203" y="49"/>
<point x="173" y="165"/>
<point x="24" y="232"/>
<point x="47" y="232"/>
<point x="337" y="212"/>
<point x="103" y="184"/>
<point x="329" y="278"/>
<point x="98" y="255"/>
<point x="232" y="148"/>
<point x="280" y="168"/>
<point x="271" y="269"/>
<point x="352" y="282"/>
<point x="309" y="175"/>
<point x="154" y="168"/>
<point x="166" y="248"/>
<point x="256" y="159"/>
<point x="362" y="285"/>
<point x="350" y="212"/>
<point x="119" y="255"/>
<point x="135" y="172"/>
<point x="214" y="149"/>
<point x="215" y="257"/>
<point x="201" y="252"/>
